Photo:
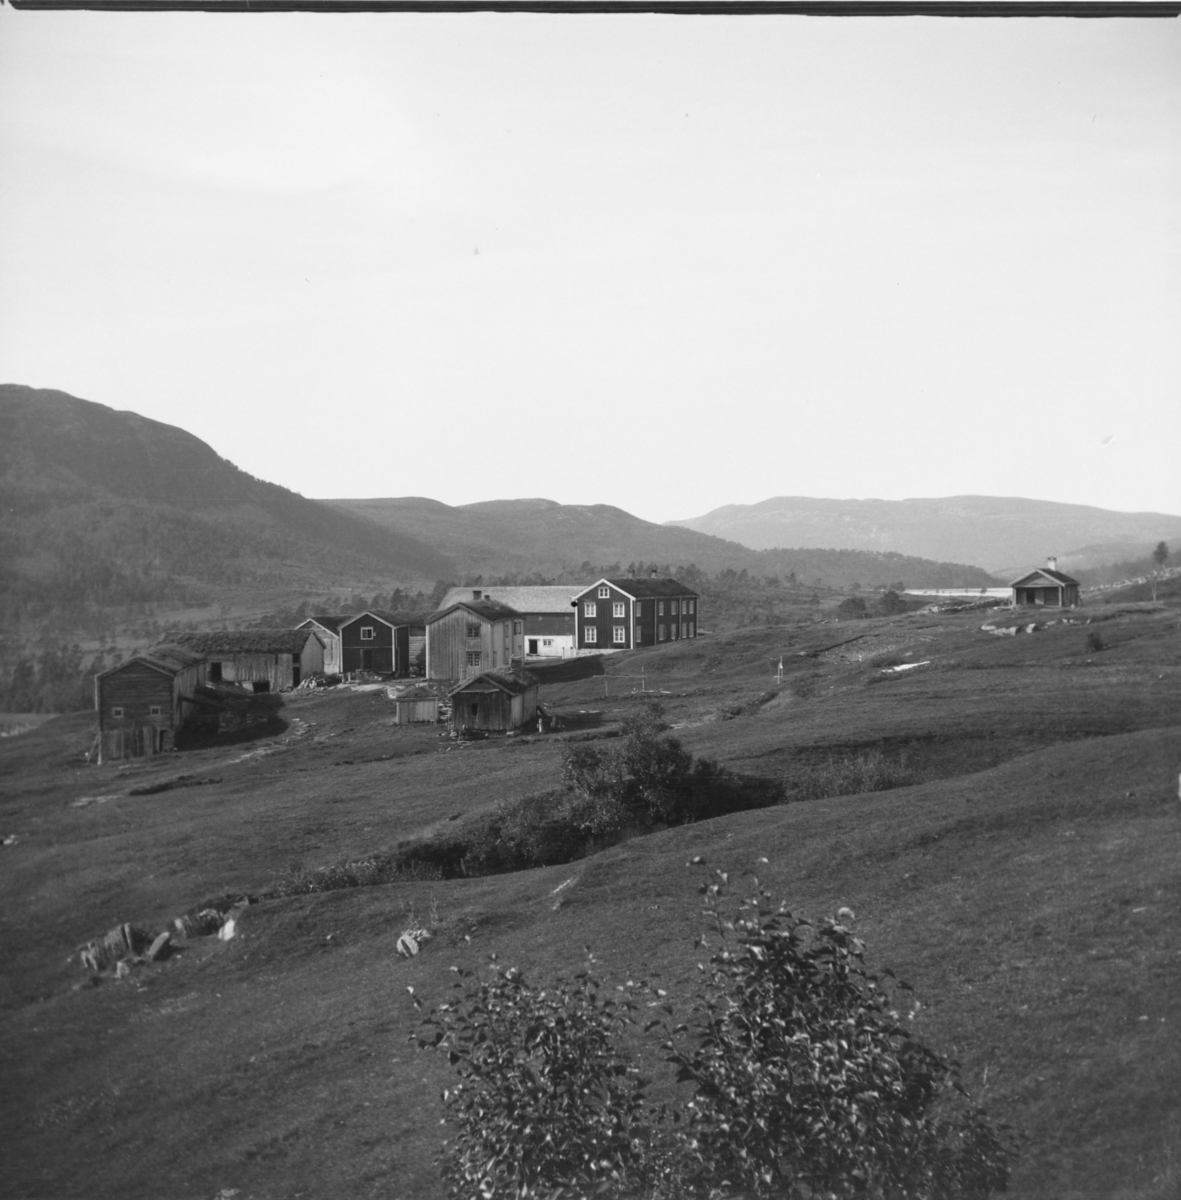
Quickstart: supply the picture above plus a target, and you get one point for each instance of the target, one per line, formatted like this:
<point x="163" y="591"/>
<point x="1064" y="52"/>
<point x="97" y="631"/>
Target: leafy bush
<point x="546" y="1101"/>
<point x="809" y="1083"/>
<point x="852" y="609"/>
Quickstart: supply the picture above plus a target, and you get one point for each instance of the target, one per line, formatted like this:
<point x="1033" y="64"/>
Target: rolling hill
<point x="1002" y="534"/>
<point x="541" y="536"/>
<point x="112" y="507"/>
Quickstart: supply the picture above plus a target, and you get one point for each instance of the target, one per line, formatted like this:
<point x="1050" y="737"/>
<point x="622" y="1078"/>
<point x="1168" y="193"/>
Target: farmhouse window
<point x="473" y="631"/>
<point x="620" y="634"/>
<point x="473" y="658"/>
<point x="692" y="606"/>
<point x="590" y="634"/>
<point x="684" y="629"/>
<point x="590" y="609"/>
<point x="117" y="711"/>
<point x="692" y="628"/>
<point x="154" y="711"/>
<point x="368" y="633"/>
<point x="639" y="607"/>
<point x="518" y="627"/>
<point x="547" y="641"/>
<point x="660" y="608"/>
<point x="661" y="632"/>
<point x="604" y="593"/>
<point x="673" y="608"/>
<point x="618" y="609"/>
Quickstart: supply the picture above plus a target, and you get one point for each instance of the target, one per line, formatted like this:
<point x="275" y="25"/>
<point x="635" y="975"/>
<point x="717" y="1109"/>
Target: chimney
<point x="1052" y="563"/>
<point x="477" y="594"/>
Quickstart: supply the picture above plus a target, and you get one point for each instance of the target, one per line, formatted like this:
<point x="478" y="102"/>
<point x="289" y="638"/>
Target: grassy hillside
<point x="1024" y="881"/>
<point x="104" y="507"/>
<point x="1004" y="534"/>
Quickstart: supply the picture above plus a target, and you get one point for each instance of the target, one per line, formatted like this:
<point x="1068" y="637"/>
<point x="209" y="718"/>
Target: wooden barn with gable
<point x="383" y="642"/>
<point x="327" y="629"/>
<point x="144" y="702"/>
<point x="545" y="612"/>
<point x="494" y="701"/>
<point x="1046" y="586"/>
<point x="264" y="660"/>
<point x="473" y="636"/>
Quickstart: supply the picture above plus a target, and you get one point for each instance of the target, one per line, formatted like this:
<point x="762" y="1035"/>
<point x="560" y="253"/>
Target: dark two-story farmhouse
<point x="623" y="614"/>
<point x="382" y="642"/>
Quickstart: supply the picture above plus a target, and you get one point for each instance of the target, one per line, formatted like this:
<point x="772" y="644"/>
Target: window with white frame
<point x="368" y="633"/>
<point x="518" y="627"/>
<point x="619" y="636"/>
<point x="661" y="632"/>
<point x="660" y="608"/>
<point x="590" y="634"/>
<point x="692" y="606"/>
<point x="473" y="631"/>
<point x="604" y="593"/>
<point x="590" y="609"/>
<point x="155" y="711"/>
<point x="692" y="628"/>
<point x="619" y="609"/>
<point x="547" y="641"/>
<point x="639" y="607"/>
<point x="473" y="658"/>
<point x="117" y="711"/>
<point x="684" y="629"/>
<point x="674" y="608"/>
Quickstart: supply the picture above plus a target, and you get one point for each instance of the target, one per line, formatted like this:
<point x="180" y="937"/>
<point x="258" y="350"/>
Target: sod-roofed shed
<point x="494" y="700"/>
<point x="143" y="702"/>
<point x="263" y="660"/>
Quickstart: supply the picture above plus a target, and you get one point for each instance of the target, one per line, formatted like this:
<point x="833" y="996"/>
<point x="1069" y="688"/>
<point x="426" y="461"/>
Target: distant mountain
<point x="521" y="537"/>
<point x="999" y="534"/>
<point x="113" y="508"/>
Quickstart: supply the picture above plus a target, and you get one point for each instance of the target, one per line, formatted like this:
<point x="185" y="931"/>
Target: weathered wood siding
<point x="493" y="710"/>
<point x="331" y="646"/>
<point x="135" y="688"/>
<point x="450" y="645"/>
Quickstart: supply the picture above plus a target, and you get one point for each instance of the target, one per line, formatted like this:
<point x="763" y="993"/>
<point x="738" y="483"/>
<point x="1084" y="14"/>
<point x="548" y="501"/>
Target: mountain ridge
<point x="999" y="534"/>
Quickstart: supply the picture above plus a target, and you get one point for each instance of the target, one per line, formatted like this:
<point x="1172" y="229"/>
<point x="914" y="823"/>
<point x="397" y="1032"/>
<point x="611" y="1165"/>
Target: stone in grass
<point x="411" y="941"/>
<point x="160" y="948"/>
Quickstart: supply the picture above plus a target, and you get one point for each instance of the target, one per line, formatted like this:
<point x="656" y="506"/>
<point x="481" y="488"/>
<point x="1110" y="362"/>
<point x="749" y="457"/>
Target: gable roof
<point x="549" y="598"/>
<point x="642" y="589"/>
<point x="1058" y="578"/>
<point x="489" y="610"/>
<point x="168" y="660"/>
<point x="393" y="620"/>
<point x="331" y="624"/>
<point x="245" y="641"/>
<point x="514" y="683"/>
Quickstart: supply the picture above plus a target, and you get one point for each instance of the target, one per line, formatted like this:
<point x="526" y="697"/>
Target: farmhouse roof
<point x="1058" y="577"/>
<point x="388" y="618"/>
<point x="332" y="624"/>
<point x="490" y="610"/>
<point x="548" y="598"/>
<point x="169" y="660"/>
<point x="245" y="641"/>
<point x="515" y="683"/>
<point x="642" y="589"/>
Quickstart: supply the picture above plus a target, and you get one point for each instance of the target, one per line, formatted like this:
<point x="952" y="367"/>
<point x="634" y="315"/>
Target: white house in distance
<point x="546" y="613"/>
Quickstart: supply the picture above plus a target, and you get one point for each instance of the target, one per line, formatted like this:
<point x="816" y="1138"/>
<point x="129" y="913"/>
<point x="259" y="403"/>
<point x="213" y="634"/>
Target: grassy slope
<point x="1031" y="901"/>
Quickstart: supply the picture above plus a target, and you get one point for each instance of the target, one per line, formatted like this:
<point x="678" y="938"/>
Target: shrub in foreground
<point x="807" y="1083"/>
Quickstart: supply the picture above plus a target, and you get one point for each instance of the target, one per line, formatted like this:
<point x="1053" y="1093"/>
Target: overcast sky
<point x="666" y="263"/>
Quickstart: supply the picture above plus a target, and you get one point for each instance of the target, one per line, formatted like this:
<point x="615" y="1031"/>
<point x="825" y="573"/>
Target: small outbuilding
<point x="494" y="700"/>
<point x="144" y="702"/>
<point x="418" y="706"/>
<point x="1046" y="586"/>
<point x="327" y="629"/>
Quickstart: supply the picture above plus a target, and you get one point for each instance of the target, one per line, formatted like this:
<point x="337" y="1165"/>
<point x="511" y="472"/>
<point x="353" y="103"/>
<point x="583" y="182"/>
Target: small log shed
<point x="494" y="700"/>
<point x="144" y="702"/>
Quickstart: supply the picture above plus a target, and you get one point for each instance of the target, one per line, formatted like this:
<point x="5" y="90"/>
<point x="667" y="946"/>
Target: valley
<point x="1010" y="850"/>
